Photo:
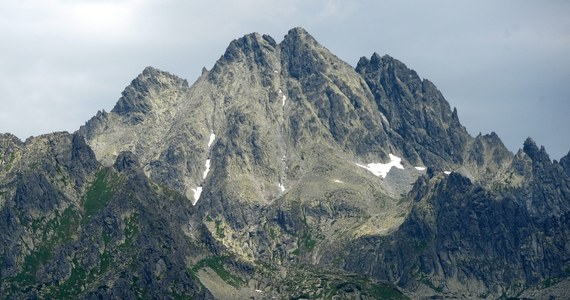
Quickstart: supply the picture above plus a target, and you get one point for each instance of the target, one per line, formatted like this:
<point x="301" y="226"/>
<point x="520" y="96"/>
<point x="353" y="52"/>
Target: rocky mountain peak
<point x="565" y="163"/>
<point x="282" y="156"/>
<point x="536" y="154"/>
<point x="140" y="97"/>
<point x="253" y="45"/>
<point x="389" y="66"/>
<point x="303" y="55"/>
<point x="423" y="124"/>
<point x="300" y="36"/>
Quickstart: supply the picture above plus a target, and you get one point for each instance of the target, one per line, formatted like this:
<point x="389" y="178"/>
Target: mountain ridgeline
<point x="281" y="172"/>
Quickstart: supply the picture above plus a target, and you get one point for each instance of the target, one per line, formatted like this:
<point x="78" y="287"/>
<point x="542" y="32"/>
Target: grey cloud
<point x="504" y="64"/>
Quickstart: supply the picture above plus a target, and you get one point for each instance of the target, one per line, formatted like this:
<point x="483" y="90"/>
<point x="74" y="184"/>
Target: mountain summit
<point x="281" y="172"/>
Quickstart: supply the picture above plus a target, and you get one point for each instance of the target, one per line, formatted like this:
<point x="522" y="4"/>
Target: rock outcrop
<point x="281" y="172"/>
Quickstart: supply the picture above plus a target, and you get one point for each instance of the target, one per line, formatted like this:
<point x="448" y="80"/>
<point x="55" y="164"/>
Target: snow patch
<point x="197" y="192"/>
<point x="380" y="169"/>
<point x="447" y="172"/>
<point x="212" y="138"/>
<point x="420" y="168"/>
<point x="283" y="98"/>
<point x="207" y="168"/>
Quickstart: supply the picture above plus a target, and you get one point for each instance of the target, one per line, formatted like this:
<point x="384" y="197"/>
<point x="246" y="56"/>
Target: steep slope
<point x="281" y="172"/>
<point x="71" y="228"/>
<point x="423" y="124"/>
<point x="465" y="240"/>
<point x="298" y="100"/>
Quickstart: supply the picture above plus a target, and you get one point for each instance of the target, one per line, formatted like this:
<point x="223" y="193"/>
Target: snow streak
<point x="380" y="169"/>
<point x="198" y="191"/>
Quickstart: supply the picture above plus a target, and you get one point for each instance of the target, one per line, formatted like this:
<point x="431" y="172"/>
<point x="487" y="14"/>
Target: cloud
<point x="503" y="64"/>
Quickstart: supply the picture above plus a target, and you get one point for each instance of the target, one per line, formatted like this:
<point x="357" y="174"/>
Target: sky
<point x="504" y="64"/>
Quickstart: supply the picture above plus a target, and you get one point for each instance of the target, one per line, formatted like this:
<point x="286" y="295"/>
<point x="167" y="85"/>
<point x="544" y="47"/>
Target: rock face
<point x="71" y="227"/>
<point x="281" y="172"/>
<point x="422" y="123"/>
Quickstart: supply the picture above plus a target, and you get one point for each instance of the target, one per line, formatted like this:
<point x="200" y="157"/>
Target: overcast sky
<point x="504" y="64"/>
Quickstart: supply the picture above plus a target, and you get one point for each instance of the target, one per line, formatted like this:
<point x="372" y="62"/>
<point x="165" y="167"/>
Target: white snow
<point x="447" y="172"/>
<point x="283" y="98"/>
<point x="281" y="187"/>
<point x="338" y="181"/>
<point x="420" y="168"/>
<point x="380" y="169"/>
<point x="197" y="191"/>
<point x="207" y="168"/>
<point x="212" y="138"/>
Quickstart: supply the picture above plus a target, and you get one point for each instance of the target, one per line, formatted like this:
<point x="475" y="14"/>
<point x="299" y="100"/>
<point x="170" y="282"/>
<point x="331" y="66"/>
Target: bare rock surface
<point x="281" y="172"/>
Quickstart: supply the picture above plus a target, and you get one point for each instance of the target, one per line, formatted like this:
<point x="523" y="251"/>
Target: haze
<point x="503" y="64"/>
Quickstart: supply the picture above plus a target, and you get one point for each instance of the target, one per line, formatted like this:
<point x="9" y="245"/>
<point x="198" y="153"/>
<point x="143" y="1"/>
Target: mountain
<point x="281" y="172"/>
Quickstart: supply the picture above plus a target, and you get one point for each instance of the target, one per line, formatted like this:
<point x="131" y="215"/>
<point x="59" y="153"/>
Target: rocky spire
<point x="137" y="99"/>
<point x="422" y="120"/>
<point x="303" y="54"/>
<point x="565" y="163"/>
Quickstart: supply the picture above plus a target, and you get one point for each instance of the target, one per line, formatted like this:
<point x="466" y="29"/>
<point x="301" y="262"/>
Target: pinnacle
<point x="251" y="44"/>
<point x="530" y="145"/>
<point x="151" y="69"/>
<point x="135" y="98"/>
<point x="297" y="31"/>
<point x="298" y="35"/>
<point x="531" y="149"/>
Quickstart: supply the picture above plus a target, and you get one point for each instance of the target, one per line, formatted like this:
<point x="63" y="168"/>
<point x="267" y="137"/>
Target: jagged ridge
<point x="272" y="146"/>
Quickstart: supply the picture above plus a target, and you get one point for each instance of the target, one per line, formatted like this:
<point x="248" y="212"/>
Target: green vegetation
<point x="105" y="262"/>
<point x="382" y="291"/>
<point x="67" y="226"/>
<point x="71" y="287"/>
<point x="365" y="288"/>
<point x="30" y="266"/>
<point x="130" y="232"/>
<point x="62" y="178"/>
<point x="58" y="231"/>
<point x="311" y="283"/>
<point x="419" y="246"/>
<point x="270" y="229"/>
<point x="430" y="284"/>
<point x="52" y="233"/>
<point x="135" y="286"/>
<point x="305" y="242"/>
<point x="131" y="228"/>
<point x="216" y="264"/>
<point x="296" y="252"/>
<point x="100" y="193"/>
<point x="10" y="162"/>
<point x="74" y="283"/>
<point x="220" y="229"/>
<point x="272" y="233"/>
